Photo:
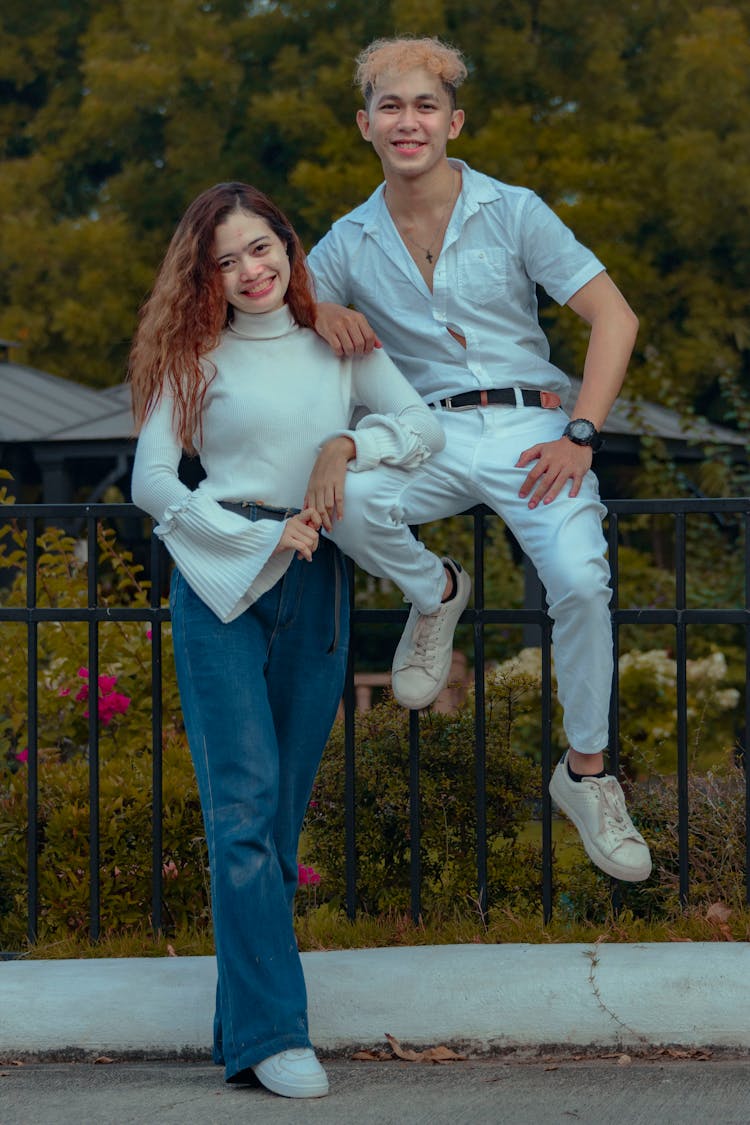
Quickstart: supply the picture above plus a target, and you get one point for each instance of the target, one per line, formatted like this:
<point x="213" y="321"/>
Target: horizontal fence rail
<point x="82" y="521"/>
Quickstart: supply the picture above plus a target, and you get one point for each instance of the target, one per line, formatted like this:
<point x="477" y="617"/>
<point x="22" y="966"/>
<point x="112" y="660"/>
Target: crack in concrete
<point x="593" y="956"/>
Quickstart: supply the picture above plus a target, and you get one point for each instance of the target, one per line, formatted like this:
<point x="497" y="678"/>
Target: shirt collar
<point x="476" y="188"/>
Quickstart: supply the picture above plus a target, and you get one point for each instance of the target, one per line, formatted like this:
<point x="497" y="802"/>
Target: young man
<point x="442" y="262"/>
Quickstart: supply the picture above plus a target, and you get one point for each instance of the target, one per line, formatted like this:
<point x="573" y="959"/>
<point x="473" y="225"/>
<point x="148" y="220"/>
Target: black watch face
<point x="581" y="430"/>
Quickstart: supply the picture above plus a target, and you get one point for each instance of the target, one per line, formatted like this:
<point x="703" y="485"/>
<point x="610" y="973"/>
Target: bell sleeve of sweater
<point x="228" y="561"/>
<point x="401" y="429"/>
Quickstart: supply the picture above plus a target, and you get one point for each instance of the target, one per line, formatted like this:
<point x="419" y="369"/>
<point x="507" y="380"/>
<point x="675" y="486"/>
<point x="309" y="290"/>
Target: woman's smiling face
<point x="253" y="263"/>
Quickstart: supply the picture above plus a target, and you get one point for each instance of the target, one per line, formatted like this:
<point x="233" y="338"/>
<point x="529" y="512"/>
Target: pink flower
<point x="111" y="705"/>
<point x="64" y="691"/>
<point x="148" y="634"/>
<point x="307" y="876"/>
<point x="22" y="755"/>
<point x="110" y="702"/>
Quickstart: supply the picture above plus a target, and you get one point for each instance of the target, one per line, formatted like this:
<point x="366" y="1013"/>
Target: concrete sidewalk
<point x="483" y="999"/>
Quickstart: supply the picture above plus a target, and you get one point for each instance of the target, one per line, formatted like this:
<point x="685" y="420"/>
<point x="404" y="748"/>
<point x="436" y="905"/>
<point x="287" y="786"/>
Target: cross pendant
<point x="428" y="256"/>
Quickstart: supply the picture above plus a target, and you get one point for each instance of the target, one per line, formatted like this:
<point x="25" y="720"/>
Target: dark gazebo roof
<point x="36" y="406"/>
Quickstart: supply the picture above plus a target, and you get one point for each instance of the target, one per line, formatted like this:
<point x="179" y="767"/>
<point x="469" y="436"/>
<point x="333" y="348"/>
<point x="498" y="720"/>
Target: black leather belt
<point x="500" y="395"/>
<point x="254" y="510"/>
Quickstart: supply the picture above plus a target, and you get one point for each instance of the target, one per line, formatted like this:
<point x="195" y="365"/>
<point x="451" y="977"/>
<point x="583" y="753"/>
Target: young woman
<point x="225" y="363"/>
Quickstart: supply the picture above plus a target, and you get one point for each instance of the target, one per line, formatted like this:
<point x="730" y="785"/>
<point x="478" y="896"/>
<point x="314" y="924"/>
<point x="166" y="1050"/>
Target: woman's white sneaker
<point x="293" y="1074"/>
<point x="596" y="805"/>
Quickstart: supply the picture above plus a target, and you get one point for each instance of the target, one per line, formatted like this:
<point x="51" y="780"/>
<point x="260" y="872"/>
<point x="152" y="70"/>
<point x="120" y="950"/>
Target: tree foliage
<point x="630" y="120"/>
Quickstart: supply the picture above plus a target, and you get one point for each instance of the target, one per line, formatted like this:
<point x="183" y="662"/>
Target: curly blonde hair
<point x="407" y="53"/>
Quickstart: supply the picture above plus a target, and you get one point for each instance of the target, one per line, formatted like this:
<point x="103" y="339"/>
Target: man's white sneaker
<point x="422" y="662"/>
<point x="596" y="805"/>
<point x="293" y="1074"/>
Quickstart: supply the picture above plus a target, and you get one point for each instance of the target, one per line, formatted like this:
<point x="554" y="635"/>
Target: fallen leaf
<point x="440" y="1054"/>
<point x="718" y="912"/>
<point x="624" y="1060"/>
<point x="401" y="1052"/>
<point x="371" y="1056"/>
<point x="701" y="1054"/>
<point x="552" y="1068"/>
<point x="103" y="1059"/>
<point x="170" y="951"/>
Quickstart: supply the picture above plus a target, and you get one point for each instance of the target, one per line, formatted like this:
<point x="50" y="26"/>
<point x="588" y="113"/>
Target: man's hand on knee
<point x="556" y="463"/>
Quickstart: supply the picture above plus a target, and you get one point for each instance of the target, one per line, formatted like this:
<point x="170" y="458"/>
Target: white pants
<point x="563" y="539"/>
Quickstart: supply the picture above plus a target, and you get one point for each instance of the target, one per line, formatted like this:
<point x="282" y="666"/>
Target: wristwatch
<point x="583" y="432"/>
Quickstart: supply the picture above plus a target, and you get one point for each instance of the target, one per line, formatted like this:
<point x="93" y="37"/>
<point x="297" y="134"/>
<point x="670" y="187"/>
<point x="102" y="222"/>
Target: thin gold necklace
<point x="427" y="250"/>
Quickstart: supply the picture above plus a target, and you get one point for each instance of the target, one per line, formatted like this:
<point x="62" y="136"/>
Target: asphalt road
<point x="659" y="1090"/>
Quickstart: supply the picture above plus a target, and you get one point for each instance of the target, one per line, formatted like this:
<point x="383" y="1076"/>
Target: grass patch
<point x="326" y="927"/>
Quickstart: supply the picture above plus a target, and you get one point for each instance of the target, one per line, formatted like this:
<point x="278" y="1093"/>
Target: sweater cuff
<point x="227" y="560"/>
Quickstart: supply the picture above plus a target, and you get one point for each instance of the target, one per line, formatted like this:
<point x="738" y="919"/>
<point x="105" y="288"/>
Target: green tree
<point x="630" y="120"/>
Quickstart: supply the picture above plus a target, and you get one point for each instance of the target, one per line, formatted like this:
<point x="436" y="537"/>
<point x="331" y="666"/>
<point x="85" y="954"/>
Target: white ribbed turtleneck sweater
<point x="279" y="392"/>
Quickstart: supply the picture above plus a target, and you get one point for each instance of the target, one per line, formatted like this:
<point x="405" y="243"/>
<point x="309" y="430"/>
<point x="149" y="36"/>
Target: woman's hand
<point x="325" y="488"/>
<point x="300" y="534"/>
<point x="346" y="331"/>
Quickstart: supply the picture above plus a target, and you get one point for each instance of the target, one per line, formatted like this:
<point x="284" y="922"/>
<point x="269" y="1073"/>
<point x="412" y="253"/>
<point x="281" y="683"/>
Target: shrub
<point x="447" y="808"/>
<point x="647" y="708"/>
<point x="125" y="862"/>
<point x="124" y="705"/>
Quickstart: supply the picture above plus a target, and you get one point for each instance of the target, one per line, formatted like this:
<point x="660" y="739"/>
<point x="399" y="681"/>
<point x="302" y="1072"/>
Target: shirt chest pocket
<point x="482" y="275"/>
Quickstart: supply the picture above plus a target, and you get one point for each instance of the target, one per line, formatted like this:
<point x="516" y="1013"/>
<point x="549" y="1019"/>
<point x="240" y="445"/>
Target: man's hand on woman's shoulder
<point x="346" y="331"/>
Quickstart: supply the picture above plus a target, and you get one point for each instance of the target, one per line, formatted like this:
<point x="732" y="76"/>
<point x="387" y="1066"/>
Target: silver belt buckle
<point x="448" y="405"/>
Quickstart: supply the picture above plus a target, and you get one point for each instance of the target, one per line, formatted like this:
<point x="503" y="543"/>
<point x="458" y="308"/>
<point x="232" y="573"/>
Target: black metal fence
<point x="680" y="616"/>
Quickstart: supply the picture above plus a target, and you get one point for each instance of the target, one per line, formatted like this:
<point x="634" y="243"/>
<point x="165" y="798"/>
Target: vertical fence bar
<point x="614" y="711"/>
<point x="746" y="733"/>
<point x="480" y="751"/>
<point x="683" y="799"/>
<point x="546" y="749"/>
<point x="93" y="701"/>
<point x="350" y="825"/>
<point x="32" y="830"/>
<point x="415" y="831"/>
<point x="157" y="825"/>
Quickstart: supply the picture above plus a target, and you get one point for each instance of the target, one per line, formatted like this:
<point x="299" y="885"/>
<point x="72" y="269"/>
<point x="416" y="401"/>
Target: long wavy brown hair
<point x="182" y="319"/>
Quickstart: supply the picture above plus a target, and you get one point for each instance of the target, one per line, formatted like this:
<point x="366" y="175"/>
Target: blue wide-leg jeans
<point x="259" y="696"/>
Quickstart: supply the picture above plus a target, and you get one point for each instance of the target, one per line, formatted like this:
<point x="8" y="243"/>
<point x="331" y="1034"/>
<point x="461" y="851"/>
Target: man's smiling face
<point x="409" y="121"/>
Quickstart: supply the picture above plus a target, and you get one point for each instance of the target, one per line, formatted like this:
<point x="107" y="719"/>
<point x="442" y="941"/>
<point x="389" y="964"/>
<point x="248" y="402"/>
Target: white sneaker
<point x="596" y="805"/>
<point x="293" y="1074"/>
<point x="422" y="662"/>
